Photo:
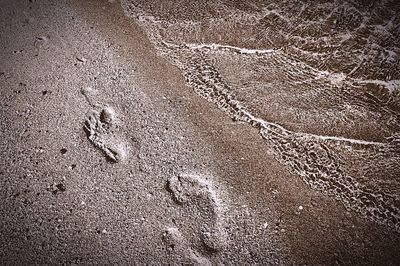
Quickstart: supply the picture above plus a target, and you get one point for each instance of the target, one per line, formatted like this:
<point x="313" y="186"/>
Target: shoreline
<point x="78" y="208"/>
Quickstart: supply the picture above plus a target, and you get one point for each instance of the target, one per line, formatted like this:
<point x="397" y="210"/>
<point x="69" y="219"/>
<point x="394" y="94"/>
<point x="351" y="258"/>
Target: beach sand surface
<point x="109" y="157"/>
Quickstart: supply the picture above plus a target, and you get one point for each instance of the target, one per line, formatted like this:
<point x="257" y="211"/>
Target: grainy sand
<point x="108" y="157"/>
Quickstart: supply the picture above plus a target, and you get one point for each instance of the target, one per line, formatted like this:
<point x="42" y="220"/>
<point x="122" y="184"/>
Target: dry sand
<point x="109" y="158"/>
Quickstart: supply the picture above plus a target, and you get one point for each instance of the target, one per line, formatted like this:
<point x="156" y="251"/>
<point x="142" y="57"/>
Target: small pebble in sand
<point x="300" y="207"/>
<point x="81" y="59"/>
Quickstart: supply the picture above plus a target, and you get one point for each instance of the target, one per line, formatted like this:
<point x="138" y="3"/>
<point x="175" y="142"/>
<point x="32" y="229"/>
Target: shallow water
<point x="321" y="83"/>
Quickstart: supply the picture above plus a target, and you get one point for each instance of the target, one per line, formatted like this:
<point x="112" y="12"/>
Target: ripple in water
<point x="320" y="83"/>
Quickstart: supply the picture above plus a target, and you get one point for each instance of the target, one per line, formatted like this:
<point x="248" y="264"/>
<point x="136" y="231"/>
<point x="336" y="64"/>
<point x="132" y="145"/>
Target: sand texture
<point x="199" y="132"/>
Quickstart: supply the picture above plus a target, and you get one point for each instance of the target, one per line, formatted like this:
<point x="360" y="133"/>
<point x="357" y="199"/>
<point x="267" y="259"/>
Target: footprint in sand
<point x="201" y="218"/>
<point x="178" y="244"/>
<point x="101" y="129"/>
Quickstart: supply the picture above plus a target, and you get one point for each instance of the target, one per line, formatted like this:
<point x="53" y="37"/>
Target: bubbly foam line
<point x="150" y="20"/>
<point x="318" y="73"/>
<point x="214" y="46"/>
<point x="352" y="141"/>
<point x="265" y="124"/>
<point x="243" y="115"/>
<point x="391" y="85"/>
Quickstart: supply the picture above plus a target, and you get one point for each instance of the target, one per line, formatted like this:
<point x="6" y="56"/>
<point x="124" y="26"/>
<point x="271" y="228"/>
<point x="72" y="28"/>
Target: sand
<point x="108" y="157"/>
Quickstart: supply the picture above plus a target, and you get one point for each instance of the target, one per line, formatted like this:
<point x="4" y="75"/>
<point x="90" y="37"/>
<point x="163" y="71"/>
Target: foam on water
<point x="214" y="46"/>
<point x="337" y="62"/>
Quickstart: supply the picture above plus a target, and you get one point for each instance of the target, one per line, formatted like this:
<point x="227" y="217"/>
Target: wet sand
<point x="110" y="158"/>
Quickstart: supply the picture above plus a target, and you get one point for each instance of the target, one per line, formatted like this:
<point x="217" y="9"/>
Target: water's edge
<point x="323" y="162"/>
